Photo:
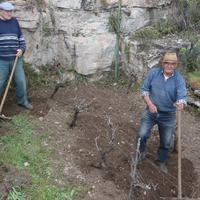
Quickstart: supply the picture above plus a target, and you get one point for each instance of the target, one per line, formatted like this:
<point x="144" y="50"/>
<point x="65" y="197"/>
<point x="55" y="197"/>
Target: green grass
<point x="24" y="150"/>
<point x="194" y="76"/>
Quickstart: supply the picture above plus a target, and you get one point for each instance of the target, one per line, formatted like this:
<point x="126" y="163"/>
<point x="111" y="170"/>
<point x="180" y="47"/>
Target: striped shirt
<point x="11" y="38"/>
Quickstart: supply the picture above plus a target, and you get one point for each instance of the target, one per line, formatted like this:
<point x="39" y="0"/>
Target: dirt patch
<point x="11" y="177"/>
<point x="98" y="149"/>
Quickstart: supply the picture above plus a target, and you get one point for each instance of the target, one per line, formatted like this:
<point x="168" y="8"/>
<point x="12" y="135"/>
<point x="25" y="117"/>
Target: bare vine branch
<point x="112" y="137"/>
<point x="80" y="107"/>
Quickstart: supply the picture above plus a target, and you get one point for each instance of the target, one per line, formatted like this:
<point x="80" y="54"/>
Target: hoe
<point x="179" y="165"/>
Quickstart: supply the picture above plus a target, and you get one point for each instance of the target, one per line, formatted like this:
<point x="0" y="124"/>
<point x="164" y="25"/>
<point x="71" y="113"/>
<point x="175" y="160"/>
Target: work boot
<point x="162" y="166"/>
<point x="27" y="106"/>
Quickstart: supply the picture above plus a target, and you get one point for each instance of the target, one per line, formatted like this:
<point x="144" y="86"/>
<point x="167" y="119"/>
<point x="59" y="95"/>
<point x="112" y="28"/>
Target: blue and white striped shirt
<point x="11" y="38"/>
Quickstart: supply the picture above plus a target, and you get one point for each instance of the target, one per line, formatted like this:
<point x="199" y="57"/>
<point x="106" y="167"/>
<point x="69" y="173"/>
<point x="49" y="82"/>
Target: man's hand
<point x="151" y="106"/>
<point x="19" y="53"/>
<point x="179" y="106"/>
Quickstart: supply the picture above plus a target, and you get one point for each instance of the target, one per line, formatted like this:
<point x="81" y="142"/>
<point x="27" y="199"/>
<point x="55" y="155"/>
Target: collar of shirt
<point x="166" y="77"/>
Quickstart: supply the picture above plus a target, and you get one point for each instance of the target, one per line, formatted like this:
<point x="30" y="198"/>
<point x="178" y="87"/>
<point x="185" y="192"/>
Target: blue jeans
<point x="166" y="122"/>
<point x="19" y="80"/>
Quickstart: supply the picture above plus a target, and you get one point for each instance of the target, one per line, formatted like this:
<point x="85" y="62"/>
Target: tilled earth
<point x="93" y="131"/>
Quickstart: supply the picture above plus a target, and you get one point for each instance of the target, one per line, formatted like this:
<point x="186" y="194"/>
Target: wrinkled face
<point x="6" y="15"/>
<point x="169" y="67"/>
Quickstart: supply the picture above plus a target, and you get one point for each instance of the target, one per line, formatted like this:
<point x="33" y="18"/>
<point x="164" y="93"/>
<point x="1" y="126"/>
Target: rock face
<point x="139" y="56"/>
<point x="76" y="33"/>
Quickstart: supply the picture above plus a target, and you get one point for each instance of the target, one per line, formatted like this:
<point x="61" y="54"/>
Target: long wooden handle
<point x="179" y="157"/>
<point x="8" y="85"/>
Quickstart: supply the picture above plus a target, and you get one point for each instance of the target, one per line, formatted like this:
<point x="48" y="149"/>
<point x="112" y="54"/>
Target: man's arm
<point x="22" y="43"/>
<point x="145" y="91"/>
<point x="151" y="106"/>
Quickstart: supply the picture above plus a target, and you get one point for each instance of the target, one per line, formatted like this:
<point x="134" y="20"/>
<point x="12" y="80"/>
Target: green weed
<point x="43" y="78"/>
<point x="127" y="52"/>
<point x="47" y="30"/>
<point x="81" y="78"/>
<point x="16" y="194"/>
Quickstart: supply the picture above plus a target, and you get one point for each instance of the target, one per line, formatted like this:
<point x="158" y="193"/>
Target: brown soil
<point x="97" y="150"/>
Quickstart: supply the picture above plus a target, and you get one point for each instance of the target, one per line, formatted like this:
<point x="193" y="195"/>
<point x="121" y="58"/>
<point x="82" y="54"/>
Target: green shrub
<point x="113" y="23"/>
<point x="42" y="78"/>
<point x="147" y="33"/>
<point x="190" y="58"/>
<point x="165" y="27"/>
<point x="188" y="14"/>
<point x="158" y="30"/>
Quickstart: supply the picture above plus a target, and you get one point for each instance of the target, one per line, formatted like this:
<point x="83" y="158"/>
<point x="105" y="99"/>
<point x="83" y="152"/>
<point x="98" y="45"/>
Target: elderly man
<point x="12" y="44"/>
<point x="164" y="92"/>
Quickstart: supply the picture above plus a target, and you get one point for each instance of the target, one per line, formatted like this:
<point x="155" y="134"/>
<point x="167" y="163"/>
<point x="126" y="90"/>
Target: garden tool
<point x="179" y="157"/>
<point x="2" y="116"/>
<point x="179" y="163"/>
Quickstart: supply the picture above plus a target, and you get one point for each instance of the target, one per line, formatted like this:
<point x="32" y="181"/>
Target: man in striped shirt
<point x="12" y="44"/>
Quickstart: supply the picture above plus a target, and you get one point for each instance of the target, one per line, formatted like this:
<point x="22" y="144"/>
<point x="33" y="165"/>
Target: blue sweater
<point x="11" y="38"/>
<point x="164" y="93"/>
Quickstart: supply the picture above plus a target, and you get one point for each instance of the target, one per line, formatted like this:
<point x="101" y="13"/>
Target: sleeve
<point x="146" y="87"/>
<point x="181" y="90"/>
<point x="22" y="43"/>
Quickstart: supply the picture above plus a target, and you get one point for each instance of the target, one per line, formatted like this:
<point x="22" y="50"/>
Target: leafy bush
<point x="158" y="30"/>
<point x="165" y="27"/>
<point x="188" y="14"/>
<point x="190" y="57"/>
<point x="147" y="33"/>
<point x="42" y="78"/>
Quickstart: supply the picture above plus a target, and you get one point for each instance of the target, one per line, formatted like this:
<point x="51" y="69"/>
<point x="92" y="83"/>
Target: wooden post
<point x="179" y="157"/>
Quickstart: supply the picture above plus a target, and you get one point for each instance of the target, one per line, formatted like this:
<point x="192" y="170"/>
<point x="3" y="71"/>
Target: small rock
<point x="41" y="118"/>
<point x="45" y="143"/>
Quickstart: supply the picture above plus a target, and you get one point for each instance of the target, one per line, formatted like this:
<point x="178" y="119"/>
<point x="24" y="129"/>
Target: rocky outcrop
<point x="139" y="56"/>
<point x="76" y="33"/>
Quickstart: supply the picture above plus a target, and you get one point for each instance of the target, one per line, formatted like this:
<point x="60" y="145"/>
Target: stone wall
<point x="75" y="33"/>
